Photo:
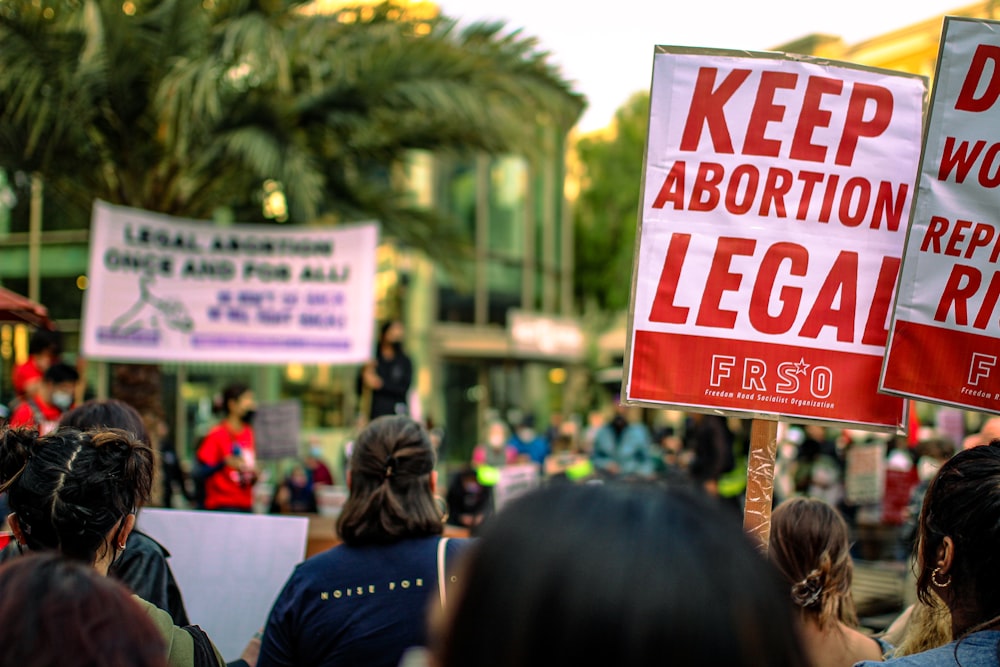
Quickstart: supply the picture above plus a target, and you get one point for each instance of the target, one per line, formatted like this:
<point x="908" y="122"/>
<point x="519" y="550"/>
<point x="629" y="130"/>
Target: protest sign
<point x="514" y="480"/>
<point x="277" y="427"/>
<point x="945" y="336"/>
<point x="169" y="289"/>
<point x="230" y="567"/>
<point x="775" y="201"/>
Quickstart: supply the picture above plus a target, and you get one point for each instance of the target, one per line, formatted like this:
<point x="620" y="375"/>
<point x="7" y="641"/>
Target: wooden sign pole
<point x="760" y="480"/>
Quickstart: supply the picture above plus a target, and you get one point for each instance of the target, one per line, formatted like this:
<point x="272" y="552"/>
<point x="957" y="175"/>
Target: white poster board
<point x="515" y="480"/>
<point x="230" y="567"/>
<point x="167" y="289"/>
<point x="776" y="196"/>
<point x="945" y="341"/>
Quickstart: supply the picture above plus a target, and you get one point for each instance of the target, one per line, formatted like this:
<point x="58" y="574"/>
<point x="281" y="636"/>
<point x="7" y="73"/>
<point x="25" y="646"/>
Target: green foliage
<point x="185" y="106"/>
<point x="606" y="214"/>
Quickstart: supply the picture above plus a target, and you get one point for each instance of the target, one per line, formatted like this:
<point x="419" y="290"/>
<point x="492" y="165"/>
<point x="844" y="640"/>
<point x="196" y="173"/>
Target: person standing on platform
<point x="385" y="380"/>
<point x="227" y="462"/>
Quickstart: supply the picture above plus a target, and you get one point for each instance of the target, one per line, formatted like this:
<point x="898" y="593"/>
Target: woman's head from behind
<point x="957" y="555"/>
<point x="72" y="491"/>
<point x="105" y="414"/>
<point x="391" y="478"/>
<point x="607" y="575"/>
<point x="810" y="547"/>
<point x="57" y="612"/>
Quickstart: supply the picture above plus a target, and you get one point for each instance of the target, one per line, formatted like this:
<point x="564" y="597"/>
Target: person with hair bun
<point x="958" y="558"/>
<point x="78" y="493"/>
<point x="809" y="545"/>
<point x="364" y="602"/>
<point x="57" y="612"/>
<point x="226" y="463"/>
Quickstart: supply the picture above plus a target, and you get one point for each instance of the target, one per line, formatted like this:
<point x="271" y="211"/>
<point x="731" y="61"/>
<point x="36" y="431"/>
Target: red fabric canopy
<point x="16" y="308"/>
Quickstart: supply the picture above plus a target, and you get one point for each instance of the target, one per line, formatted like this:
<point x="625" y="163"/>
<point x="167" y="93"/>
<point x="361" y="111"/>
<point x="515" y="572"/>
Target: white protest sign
<point x="945" y="340"/>
<point x="514" y="481"/>
<point x="775" y="201"/>
<point x="230" y="567"/>
<point x="170" y="289"/>
<point x="277" y="427"/>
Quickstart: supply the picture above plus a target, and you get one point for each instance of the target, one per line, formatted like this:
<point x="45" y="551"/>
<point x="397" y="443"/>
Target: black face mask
<point x="248" y="416"/>
<point x="397" y="347"/>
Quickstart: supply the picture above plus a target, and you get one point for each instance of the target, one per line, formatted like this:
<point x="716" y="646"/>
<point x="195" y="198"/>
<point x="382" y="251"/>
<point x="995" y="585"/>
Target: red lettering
<point x="842" y="280"/>
<point x="776" y="186"/>
<point x="705" y="196"/>
<point x="663" y="309"/>
<point x="957" y="237"/>
<point x="809" y="180"/>
<point x="828" y="195"/>
<point x="811" y="117"/>
<point x="985" y="178"/>
<point x="706" y="108"/>
<point x="766" y="111"/>
<point x="961" y="158"/>
<point x="864" y="190"/>
<point x="855" y="125"/>
<point x="981" y="237"/>
<point x="672" y="189"/>
<point x="962" y="285"/>
<point x="876" y="327"/>
<point x="790" y="297"/>
<point x="749" y="193"/>
<point x="721" y="280"/>
<point x="884" y="206"/>
<point x="989" y="302"/>
<point x="967" y="100"/>
<point x="935" y="232"/>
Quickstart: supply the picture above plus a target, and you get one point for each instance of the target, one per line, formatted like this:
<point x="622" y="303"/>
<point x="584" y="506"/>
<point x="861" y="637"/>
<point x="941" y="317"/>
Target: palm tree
<point x="186" y="106"/>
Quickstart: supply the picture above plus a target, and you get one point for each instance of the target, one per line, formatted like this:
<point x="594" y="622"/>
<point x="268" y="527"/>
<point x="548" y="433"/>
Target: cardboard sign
<point x="169" y="289"/>
<point x="277" y="427"/>
<point x="515" y="480"/>
<point x="229" y="567"/>
<point x="945" y="341"/>
<point x="775" y="202"/>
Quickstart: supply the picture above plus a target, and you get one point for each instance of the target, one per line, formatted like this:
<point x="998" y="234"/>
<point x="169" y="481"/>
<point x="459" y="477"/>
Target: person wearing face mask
<point x="622" y="447"/>
<point x="385" y="381"/>
<point x="56" y="395"/>
<point x="226" y="463"/>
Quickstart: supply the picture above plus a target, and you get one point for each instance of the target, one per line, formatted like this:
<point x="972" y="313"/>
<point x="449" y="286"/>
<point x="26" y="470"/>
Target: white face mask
<point x="62" y="399"/>
<point x="927" y="467"/>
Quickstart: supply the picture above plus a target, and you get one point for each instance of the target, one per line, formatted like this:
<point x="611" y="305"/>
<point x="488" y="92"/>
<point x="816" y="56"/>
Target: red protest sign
<point x="945" y="339"/>
<point x="775" y="201"/>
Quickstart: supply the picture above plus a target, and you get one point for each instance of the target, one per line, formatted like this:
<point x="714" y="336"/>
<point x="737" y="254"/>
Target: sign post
<point x="776" y="194"/>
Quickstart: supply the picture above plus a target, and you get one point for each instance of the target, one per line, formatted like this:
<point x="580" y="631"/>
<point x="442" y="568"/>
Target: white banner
<point x="170" y="289"/>
<point x="775" y="203"/>
<point x="945" y="341"/>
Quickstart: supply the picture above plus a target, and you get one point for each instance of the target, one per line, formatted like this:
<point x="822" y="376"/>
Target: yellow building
<point x="913" y="48"/>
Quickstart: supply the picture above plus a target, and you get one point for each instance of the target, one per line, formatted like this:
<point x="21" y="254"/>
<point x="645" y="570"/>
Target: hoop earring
<point x="940" y="584"/>
<point x="442" y="507"/>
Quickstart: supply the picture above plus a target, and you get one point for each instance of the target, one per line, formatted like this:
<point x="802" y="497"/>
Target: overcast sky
<point x="607" y="48"/>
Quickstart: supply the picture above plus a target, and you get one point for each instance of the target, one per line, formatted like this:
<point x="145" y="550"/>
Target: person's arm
<point x="186" y="647"/>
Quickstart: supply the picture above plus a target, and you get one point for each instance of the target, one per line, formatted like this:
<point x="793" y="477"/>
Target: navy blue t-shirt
<point x="355" y="605"/>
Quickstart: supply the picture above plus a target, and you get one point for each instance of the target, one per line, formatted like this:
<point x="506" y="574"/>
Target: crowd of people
<point x="625" y="552"/>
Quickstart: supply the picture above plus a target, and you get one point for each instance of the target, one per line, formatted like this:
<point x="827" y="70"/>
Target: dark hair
<point x="57" y="612"/>
<point x="59" y="373"/>
<point x="231" y="392"/>
<point x="69" y="489"/>
<point x="963" y="502"/>
<point x="45" y="340"/>
<point x="810" y="547"/>
<point x="384" y="329"/>
<point x="616" y="575"/>
<point x="104" y="414"/>
<point x="390" y="486"/>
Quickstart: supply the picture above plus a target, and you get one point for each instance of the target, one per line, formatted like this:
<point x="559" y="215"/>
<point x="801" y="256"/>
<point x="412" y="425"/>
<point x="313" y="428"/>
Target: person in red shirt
<point x="44" y="349"/>
<point x="43" y="410"/>
<point x="227" y="461"/>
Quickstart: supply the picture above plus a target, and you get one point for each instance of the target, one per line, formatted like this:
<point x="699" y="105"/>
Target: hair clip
<point x="390" y="463"/>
